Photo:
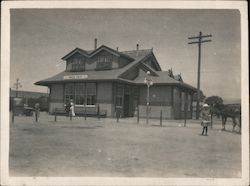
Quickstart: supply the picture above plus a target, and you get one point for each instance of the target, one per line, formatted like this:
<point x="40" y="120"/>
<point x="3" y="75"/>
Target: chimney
<point x="95" y="43"/>
<point x="117" y="48"/>
<point x="137" y="46"/>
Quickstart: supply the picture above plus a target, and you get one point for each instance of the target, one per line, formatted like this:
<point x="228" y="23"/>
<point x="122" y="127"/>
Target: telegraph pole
<point x="17" y="85"/>
<point x="199" y="40"/>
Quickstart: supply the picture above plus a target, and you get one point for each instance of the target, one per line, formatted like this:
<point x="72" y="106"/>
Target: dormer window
<point x="78" y="64"/>
<point x="104" y="62"/>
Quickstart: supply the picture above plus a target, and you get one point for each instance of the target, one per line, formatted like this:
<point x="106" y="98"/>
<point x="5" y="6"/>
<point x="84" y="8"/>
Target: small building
<point x="29" y="98"/>
<point x="112" y="79"/>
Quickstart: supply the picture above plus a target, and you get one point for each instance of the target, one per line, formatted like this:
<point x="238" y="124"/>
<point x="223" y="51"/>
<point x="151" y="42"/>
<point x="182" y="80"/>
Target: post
<point x="211" y="119"/>
<point x="149" y="83"/>
<point x="36" y="114"/>
<point x="98" y="112"/>
<point x="17" y="85"/>
<point x="85" y="105"/>
<point x="138" y="115"/>
<point x="55" y="114"/>
<point x="147" y="102"/>
<point x="117" y="115"/>
<point x="37" y="109"/>
<point x="199" y="42"/>
<point x="161" y="119"/>
<point x="185" y="115"/>
<point x="198" y="81"/>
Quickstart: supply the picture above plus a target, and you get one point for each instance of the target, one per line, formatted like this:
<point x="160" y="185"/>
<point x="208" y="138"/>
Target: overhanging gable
<point x="133" y="71"/>
<point x="109" y="50"/>
<point x="76" y="50"/>
<point x="156" y="62"/>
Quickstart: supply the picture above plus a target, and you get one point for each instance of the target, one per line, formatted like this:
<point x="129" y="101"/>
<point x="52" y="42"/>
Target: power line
<point x="17" y="85"/>
<point x="199" y="40"/>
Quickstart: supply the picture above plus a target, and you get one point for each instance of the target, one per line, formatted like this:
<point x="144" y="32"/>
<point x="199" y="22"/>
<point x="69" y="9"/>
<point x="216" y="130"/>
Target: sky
<point x="41" y="37"/>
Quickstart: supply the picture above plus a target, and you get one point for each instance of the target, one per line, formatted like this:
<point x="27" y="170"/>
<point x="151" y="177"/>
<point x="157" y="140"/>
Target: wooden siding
<point x="158" y="95"/>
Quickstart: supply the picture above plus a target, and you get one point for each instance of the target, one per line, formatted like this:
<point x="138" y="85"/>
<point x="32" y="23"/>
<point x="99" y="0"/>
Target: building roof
<point x="137" y="58"/>
<point x="163" y="78"/>
<point x="91" y="53"/>
<point x="93" y="75"/>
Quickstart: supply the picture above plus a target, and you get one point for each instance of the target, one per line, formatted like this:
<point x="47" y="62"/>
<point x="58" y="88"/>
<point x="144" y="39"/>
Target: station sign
<point x="75" y="77"/>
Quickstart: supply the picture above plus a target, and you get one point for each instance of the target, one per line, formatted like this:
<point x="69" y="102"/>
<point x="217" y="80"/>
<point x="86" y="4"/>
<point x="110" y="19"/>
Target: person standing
<point x="72" y="108"/>
<point x="205" y="118"/>
<point x="67" y="107"/>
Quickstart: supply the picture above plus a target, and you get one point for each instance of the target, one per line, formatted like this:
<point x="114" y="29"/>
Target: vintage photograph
<point x="125" y="92"/>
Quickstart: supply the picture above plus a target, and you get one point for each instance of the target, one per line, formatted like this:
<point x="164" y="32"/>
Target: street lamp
<point x="149" y="83"/>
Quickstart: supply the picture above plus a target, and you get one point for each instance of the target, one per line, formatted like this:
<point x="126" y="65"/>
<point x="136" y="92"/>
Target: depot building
<point x="112" y="79"/>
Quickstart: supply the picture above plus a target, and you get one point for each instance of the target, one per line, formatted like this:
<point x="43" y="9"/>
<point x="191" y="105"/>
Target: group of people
<point x="70" y="108"/>
<point x="205" y="114"/>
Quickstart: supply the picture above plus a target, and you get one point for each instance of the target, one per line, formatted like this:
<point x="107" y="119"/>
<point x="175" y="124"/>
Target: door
<point x="126" y="105"/>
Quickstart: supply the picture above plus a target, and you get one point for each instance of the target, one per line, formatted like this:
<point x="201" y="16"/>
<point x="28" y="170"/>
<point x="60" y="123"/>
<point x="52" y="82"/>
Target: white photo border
<point x="5" y="78"/>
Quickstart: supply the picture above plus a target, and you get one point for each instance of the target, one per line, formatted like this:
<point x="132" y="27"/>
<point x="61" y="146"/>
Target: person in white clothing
<point x="205" y="116"/>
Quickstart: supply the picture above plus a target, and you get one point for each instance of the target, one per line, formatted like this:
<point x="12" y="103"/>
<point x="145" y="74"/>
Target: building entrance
<point x="126" y="105"/>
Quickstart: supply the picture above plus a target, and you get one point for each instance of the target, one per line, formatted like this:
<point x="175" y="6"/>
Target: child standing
<point x="205" y="118"/>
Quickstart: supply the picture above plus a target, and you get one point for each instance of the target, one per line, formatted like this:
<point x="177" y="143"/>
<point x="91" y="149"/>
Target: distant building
<point x="27" y="94"/>
<point x="113" y="79"/>
<point x="29" y="98"/>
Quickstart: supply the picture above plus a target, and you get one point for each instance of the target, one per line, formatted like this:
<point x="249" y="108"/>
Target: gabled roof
<point x="142" y="56"/>
<point x="91" y="53"/>
<point x="76" y="50"/>
<point x="163" y="78"/>
<point x="137" y="53"/>
<point x="114" y="52"/>
<point x="137" y="57"/>
<point x="93" y="75"/>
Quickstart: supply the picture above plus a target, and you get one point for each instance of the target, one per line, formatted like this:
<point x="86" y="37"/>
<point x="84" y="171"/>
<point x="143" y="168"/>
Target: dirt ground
<point x="103" y="147"/>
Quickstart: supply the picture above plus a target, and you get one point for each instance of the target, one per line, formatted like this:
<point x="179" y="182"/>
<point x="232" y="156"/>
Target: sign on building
<point x="75" y="77"/>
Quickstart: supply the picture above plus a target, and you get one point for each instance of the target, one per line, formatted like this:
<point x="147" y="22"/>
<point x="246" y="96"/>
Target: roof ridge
<point x="136" y="50"/>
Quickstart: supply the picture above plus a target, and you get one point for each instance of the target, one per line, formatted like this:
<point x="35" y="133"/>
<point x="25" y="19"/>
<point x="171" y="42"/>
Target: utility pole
<point x="199" y="40"/>
<point x="17" y="85"/>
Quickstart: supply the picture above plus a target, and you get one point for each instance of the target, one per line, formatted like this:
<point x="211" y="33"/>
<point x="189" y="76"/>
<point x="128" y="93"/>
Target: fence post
<point x="55" y="115"/>
<point x="185" y="114"/>
<point x="138" y="115"/>
<point x="118" y="114"/>
<point x="211" y="120"/>
<point x="161" y="119"/>
<point x="36" y="114"/>
<point x="98" y="111"/>
<point x="85" y="112"/>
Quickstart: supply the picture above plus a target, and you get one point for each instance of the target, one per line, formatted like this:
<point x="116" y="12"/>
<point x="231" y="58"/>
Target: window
<point x="104" y="58"/>
<point x="104" y="62"/>
<point x="91" y="93"/>
<point x="118" y="101"/>
<point x="78" y="64"/>
<point x="69" y="92"/>
<point x="78" y="92"/>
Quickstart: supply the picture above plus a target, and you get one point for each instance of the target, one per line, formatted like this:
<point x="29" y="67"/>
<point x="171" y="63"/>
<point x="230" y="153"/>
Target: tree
<point x="214" y="102"/>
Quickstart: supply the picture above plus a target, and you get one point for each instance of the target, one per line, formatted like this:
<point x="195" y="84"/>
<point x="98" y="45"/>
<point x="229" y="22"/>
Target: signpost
<point x="149" y="83"/>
